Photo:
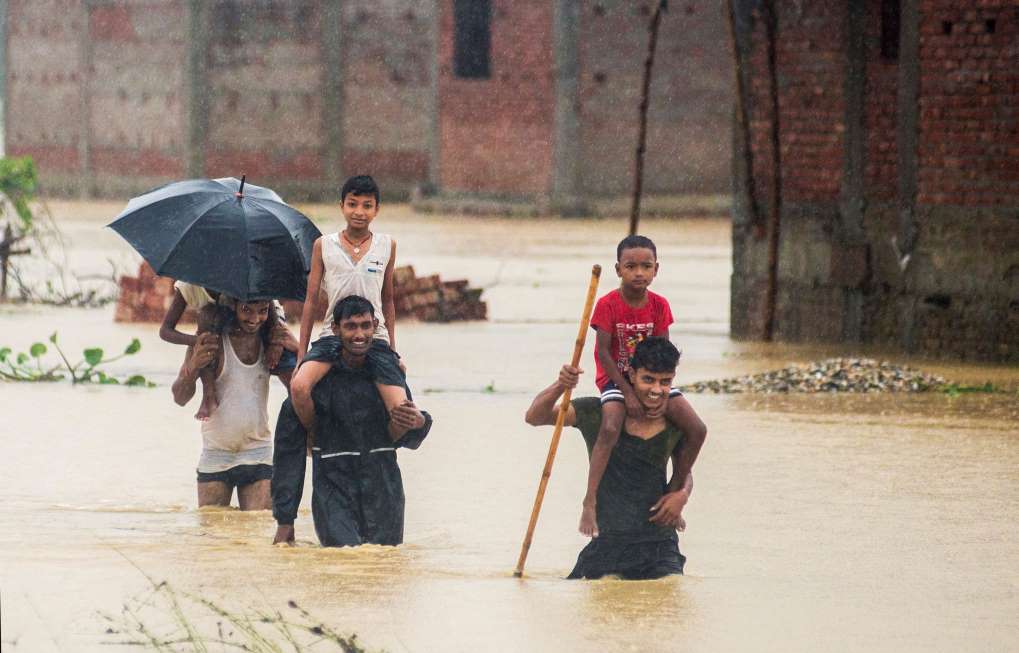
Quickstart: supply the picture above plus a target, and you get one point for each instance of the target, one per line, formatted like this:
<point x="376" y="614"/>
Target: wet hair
<point x="655" y="354"/>
<point x="350" y="306"/>
<point x="360" y="185"/>
<point x="634" y="242"/>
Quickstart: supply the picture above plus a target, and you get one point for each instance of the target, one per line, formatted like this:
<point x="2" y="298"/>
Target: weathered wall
<point x="95" y="93"/>
<point x="690" y="108"/>
<point x="951" y="165"/>
<point x="45" y="67"/>
<point x="115" y="97"/>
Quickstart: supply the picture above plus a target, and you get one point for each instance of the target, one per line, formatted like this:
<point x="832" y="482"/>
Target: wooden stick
<point x="564" y="405"/>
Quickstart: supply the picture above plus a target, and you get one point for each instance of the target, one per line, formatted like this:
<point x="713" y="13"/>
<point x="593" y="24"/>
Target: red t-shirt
<point x="628" y="326"/>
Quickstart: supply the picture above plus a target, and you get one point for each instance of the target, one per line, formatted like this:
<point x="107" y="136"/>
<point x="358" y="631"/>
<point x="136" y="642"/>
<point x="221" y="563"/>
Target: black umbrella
<point x="241" y="240"/>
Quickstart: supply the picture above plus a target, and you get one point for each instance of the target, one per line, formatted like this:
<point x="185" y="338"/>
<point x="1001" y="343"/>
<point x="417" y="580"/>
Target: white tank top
<point x="241" y="421"/>
<point x="342" y="277"/>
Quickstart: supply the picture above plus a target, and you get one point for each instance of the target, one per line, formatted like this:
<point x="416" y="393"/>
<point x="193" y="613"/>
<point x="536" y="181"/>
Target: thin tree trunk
<point x="638" y="177"/>
<point x="775" y="204"/>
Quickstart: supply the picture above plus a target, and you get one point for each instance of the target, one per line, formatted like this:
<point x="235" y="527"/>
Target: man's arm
<point x="668" y="510"/>
<point x="196" y="358"/>
<point x="544" y="410"/>
<point x="289" y="460"/>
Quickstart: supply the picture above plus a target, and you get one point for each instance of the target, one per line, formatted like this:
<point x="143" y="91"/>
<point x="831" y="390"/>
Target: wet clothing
<point x="628" y="326"/>
<point x="238" y="476"/>
<point x="357" y="490"/>
<point x="381" y="362"/>
<point x="343" y="277"/>
<point x="237" y="432"/>
<point x="628" y="544"/>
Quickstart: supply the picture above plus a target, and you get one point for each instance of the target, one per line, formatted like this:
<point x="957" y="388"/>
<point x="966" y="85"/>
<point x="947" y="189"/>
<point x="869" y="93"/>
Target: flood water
<point x="876" y="523"/>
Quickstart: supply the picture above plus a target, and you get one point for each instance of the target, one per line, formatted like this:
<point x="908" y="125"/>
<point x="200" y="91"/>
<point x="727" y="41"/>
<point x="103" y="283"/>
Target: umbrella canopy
<point x="235" y="238"/>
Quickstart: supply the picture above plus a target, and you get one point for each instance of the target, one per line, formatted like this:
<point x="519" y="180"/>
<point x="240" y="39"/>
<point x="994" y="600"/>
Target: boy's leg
<point x="682" y="415"/>
<point x="613" y="414"/>
<point x="301" y="385"/>
<point x="208" y="323"/>
<point x="392" y="396"/>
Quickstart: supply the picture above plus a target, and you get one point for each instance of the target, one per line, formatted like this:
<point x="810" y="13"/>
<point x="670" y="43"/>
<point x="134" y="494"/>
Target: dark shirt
<point x="634" y="478"/>
<point x="357" y="488"/>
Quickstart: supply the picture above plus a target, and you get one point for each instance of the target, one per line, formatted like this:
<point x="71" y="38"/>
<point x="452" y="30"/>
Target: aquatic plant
<point x="28" y="366"/>
<point x="198" y="624"/>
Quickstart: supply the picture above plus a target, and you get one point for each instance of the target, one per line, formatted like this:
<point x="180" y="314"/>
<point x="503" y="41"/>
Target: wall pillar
<point x="906" y="138"/>
<point x="566" y="130"/>
<point x="85" y="57"/>
<point x="198" y="100"/>
<point x="850" y="251"/>
<point x="332" y="96"/>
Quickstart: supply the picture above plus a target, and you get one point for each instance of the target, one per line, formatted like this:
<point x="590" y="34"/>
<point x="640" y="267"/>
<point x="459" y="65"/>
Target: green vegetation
<point x="29" y="366"/>
<point x="199" y="624"/>
<point x="18" y="182"/>
<point x="956" y="389"/>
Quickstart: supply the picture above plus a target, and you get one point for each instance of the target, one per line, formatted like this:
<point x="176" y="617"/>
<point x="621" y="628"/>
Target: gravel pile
<point x="831" y="375"/>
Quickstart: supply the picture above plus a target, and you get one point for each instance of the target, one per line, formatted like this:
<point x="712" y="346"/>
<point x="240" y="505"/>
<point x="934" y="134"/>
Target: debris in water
<point x="831" y="375"/>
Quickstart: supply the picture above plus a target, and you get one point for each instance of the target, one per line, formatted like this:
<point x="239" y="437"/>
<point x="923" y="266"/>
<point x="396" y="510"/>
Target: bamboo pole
<point x="564" y="405"/>
<point x="649" y="62"/>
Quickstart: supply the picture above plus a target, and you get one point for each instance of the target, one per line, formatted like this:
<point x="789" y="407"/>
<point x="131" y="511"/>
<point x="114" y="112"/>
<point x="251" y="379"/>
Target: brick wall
<point x="496" y="133"/>
<point x="969" y="143"/>
<point x="959" y="294"/>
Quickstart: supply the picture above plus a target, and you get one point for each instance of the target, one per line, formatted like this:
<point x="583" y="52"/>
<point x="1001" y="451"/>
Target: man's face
<point x="359" y="210"/>
<point x="652" y="388"/>
<point x="251" y="315"/>
<point x="637" y="267"/>
<point x="356" y="333"/>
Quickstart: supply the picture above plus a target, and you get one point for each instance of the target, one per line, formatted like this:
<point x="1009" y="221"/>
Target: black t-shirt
<point x="634" y="478"/>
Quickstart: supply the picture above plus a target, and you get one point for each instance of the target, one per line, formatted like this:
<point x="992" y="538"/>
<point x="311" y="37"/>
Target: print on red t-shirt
<point x="628" y="326"/>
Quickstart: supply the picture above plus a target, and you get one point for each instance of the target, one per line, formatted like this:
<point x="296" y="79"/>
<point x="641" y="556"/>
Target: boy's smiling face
<point x="359" y="210"/>
<point x="637" y="268"/>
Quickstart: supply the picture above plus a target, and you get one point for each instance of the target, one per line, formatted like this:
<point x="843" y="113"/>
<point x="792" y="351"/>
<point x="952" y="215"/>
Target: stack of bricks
<point x="431" y="300"/>
<point x="146" y="298"/>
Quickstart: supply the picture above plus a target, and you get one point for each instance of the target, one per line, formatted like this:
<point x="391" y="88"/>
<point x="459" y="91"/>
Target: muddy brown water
<point x="880" y="523"/>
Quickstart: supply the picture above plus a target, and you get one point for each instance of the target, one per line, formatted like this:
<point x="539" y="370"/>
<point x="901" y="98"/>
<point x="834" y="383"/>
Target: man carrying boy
<point x="354" y="261"/>
<point x="637" y="513"/>
<point x="623" y="318"/>
<point x="357" y="495"/>
<point x="236" y="441"/>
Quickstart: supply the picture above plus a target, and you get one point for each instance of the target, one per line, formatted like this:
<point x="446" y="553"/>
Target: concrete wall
<point x="935" y="132"/>
<point x="690" y="107"/>
<point x="94" y="93"/>
<point x="114" y="97"/>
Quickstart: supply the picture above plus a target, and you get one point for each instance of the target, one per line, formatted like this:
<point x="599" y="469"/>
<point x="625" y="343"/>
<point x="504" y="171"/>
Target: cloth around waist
<point x="219" y="460"/>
